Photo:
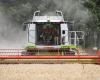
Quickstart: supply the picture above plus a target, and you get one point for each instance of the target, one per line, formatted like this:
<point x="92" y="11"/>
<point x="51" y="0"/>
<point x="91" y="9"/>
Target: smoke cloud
<point x="11" y="34"/>
<point x="73" y="10"/>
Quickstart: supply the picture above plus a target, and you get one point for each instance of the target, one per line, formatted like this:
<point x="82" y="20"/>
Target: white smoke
<point x="73" y="10"/>
<point x="11" y="36"/>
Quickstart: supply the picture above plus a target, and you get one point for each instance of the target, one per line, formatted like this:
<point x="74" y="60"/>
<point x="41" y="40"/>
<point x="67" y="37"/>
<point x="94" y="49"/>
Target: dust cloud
<point x="11" y="34"/>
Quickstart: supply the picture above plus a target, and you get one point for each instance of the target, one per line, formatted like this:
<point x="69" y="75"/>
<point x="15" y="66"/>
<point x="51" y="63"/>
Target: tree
<point x="94" y="24"/>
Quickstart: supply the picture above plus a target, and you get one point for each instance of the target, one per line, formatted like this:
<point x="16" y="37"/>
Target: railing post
<point x="78" y="53"/>
<point x="18" y="56"/>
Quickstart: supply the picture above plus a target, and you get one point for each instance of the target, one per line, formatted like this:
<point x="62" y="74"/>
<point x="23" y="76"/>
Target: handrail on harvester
<point x="50" y="57"/>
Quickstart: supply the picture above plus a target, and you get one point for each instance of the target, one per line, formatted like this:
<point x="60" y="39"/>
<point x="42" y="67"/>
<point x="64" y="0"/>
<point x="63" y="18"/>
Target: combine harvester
<point x="50" y="40"/>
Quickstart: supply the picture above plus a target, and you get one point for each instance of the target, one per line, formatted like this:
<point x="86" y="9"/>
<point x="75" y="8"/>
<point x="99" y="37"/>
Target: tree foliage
<point x="20" y="10"/>
<point x="94" y="23"/>
<point x="94" y="7"/>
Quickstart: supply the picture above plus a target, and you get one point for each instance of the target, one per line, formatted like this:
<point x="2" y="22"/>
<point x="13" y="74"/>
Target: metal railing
<point x="76" y="37"/>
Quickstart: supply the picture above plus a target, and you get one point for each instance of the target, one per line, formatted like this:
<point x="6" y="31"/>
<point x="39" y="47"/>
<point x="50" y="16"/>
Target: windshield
<point x="48" y="33"/>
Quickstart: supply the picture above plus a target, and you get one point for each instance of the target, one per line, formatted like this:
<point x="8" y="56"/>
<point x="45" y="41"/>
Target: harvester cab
<point x="51" y="32"/>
